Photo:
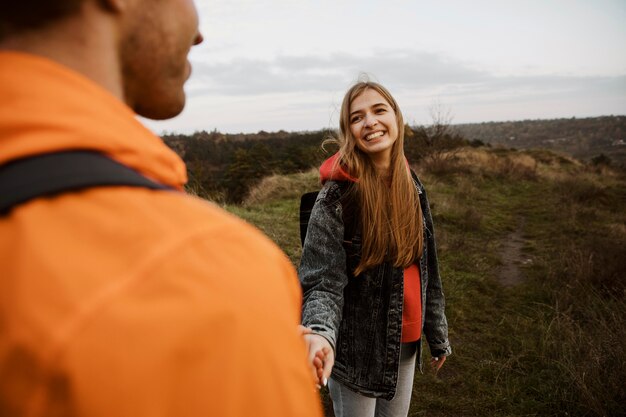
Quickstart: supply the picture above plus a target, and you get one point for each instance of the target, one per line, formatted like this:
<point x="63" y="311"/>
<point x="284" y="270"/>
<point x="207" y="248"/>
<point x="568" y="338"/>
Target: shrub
<point x="601" y="159"/>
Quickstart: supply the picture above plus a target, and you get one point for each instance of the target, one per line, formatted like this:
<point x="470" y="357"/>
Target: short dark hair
<point x="21" y="15"/>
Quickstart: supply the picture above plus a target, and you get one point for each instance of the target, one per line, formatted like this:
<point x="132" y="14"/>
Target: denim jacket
<point x="362" y="316"/>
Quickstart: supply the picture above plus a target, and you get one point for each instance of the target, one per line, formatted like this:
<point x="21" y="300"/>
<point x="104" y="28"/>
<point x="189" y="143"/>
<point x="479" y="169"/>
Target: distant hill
<point x="582" y="138"/>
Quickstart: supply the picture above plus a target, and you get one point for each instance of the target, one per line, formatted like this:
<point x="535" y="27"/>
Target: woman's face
<point x="374" y="126"/>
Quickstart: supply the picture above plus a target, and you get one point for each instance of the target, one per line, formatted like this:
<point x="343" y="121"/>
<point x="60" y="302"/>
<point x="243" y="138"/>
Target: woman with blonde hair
<point x="369" y="269"/>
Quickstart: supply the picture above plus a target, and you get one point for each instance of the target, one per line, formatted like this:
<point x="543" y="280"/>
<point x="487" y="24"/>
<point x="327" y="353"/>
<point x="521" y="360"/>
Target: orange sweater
<point x="129" y="302"/>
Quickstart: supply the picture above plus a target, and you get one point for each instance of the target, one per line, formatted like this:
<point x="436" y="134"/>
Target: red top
<point x="412" y="310"/>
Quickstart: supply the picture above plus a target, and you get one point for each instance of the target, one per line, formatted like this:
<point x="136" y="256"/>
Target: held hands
<point x="321" y="357"/>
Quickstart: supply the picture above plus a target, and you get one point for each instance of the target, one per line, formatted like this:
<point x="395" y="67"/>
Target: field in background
<point x="549" y="344"/>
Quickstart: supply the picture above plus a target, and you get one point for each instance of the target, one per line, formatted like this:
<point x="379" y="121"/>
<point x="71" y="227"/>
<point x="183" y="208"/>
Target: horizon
<point x="166" y="133"/>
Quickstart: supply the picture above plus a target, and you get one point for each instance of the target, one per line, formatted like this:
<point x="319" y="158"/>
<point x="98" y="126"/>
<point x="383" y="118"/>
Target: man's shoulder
<point x="211" y="223"/>
<point x="149" y="222"/>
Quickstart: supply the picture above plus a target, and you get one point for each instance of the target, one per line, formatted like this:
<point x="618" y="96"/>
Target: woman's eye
<point x="355" y="119"/>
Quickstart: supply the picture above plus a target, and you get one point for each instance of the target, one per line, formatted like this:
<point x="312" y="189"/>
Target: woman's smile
<point x="374" y="125"/>
<point x="370" y="137"/>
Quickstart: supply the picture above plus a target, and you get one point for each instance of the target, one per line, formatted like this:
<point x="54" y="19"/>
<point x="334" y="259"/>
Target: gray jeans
<point x="347" y="403"/>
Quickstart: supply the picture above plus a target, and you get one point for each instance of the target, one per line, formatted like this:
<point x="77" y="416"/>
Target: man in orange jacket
<point x="121" y="301"/>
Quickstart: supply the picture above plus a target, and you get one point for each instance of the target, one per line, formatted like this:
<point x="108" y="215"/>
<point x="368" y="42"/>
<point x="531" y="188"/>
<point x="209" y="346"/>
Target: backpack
<point x="349" y="214"/>
<point x="51" y="174"/>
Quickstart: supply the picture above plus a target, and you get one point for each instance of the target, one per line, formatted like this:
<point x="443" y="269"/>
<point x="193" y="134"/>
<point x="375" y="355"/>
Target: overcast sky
<point x="285" y="64"/>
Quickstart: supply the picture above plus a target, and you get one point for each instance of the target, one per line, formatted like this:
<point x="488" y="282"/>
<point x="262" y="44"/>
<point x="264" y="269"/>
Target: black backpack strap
<point x="416" y="181"/>
<point x="51" y="174"/>
<point x="350" y="213"/>
<point x="307" y="201"/>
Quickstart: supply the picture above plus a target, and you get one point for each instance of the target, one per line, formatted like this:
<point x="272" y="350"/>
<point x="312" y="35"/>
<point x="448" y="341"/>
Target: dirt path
<point x="509" y="274"/>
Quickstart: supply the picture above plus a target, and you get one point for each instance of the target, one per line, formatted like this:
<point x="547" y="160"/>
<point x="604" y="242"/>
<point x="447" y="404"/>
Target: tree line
<point x="223" y="167"/>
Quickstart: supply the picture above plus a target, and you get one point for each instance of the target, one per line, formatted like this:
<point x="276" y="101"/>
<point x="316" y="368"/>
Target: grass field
<point x="533" y="257"/>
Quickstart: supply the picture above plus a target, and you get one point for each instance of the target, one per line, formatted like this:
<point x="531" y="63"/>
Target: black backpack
<point x="350" y="214"/>
<point x="51" y="174"/>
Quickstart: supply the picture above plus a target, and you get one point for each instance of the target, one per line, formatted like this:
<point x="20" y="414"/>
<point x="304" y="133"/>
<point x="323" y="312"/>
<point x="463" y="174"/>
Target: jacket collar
<point x="48" y="108"/>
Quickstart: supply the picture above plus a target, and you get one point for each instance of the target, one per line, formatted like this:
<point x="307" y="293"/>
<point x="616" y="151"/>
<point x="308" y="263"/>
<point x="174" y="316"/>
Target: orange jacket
<point x="121" y="301"/>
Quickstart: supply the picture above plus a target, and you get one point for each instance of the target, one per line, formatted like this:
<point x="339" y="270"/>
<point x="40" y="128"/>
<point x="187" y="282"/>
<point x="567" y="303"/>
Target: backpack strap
<point x="350" y="213"/>
<point x="52" y="174"/>
<point x="416" y="181"/>
<point x="307" y="201"/>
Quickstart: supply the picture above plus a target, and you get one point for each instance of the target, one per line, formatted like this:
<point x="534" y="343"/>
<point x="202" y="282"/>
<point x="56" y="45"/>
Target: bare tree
<point x="439" y="129"/>
<point x="437" y="141"/>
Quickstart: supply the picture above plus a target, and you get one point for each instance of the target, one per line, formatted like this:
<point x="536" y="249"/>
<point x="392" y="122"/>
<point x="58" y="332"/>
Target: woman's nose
<point x="370" y="120"/>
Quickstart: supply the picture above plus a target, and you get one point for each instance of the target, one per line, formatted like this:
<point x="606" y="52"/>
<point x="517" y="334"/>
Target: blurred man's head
<point x="157" y="36"/>
<point x="146" y="41"/>
<point x="24" y="15"/>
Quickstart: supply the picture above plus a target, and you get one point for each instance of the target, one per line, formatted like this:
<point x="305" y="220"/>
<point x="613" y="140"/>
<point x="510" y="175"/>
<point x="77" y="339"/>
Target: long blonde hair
<point x="390" y="212"/>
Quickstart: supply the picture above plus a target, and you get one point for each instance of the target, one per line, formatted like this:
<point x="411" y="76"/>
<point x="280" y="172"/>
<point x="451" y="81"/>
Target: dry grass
<point x="534" y="164"/>
<point x="484" y="162"/>
<point x="278" y="187"/>
<point x="584" y="267"/>
<point x="585" y="338"/>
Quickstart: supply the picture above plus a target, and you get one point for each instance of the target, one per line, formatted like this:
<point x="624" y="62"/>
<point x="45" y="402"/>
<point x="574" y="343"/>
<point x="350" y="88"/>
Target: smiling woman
<point x="372" y="148"/>
<point x="374" y="126"/>
<point x="369" y="268"/>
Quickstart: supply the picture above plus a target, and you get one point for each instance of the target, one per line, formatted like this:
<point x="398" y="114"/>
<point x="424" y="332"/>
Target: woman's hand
<point x="316" y="365"/>
<point x="437" y="363"/>
<point x="320" y="355"/>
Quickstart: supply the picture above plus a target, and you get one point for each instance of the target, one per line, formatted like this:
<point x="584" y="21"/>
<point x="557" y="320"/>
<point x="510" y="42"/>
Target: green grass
<point x="278" y="219"/>
<point x="553" y="345"/>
